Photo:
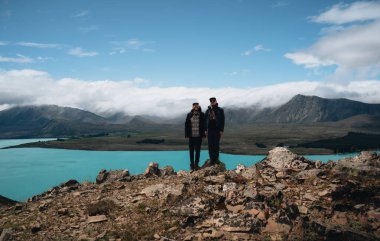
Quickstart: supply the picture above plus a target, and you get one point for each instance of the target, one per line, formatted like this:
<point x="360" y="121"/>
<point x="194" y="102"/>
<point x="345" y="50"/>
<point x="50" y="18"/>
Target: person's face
<point x="195" y="107"/>
<point x="213" y="102"/>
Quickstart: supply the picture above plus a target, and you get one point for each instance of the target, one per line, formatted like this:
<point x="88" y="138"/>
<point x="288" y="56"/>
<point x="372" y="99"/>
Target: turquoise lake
<point x="25" y="172"/>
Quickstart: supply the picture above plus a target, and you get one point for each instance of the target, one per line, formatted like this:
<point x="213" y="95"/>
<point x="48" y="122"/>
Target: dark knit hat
<point x="212" y="99"/>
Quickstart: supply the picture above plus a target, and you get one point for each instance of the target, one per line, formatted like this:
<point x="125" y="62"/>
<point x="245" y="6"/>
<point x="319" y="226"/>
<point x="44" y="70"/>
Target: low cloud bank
<point x="32" y="87"/>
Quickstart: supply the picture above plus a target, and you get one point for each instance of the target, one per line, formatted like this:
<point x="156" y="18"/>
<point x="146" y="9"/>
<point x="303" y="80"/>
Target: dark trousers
<point x="213" y="137"/>
<point x="195" y="144"/>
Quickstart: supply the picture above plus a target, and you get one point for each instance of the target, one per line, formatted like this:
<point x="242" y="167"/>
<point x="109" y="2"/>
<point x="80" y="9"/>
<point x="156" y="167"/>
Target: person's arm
<point x="206" y="122"/>
<point x="221" y="121"/>
<point x="202" y="125"/>
<point x="187" y="123"/>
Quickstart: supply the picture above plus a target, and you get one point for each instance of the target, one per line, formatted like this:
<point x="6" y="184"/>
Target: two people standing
<point x="199" y="125"/>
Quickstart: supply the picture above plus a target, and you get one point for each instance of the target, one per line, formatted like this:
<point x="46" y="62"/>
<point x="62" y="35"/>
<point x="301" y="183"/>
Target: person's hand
<point x="205" y="133"/>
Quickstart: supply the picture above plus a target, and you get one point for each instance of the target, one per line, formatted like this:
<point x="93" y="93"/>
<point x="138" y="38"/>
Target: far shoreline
<point x="148" y="148"/>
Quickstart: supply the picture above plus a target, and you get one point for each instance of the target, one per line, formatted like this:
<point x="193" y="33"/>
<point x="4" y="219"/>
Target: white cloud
<point x="357" y="46"/>
<point x="307" y="59"/>
<point x="88" y="29"/>
<point x="81" y="14"/>
<point x="280" y="4"/>
<point x="353" y="49"/>
<point x="79" y="52"/>
<point x="20" y="59"/>
<point x="28" y="86"/>
<point x="38" y="45"/>
<point x="257" y="48"/>
<point x="3" y="43"/>
<point x="121" y="47"/>
<point x="346" y="13"/>
<point x="242" y="72"/>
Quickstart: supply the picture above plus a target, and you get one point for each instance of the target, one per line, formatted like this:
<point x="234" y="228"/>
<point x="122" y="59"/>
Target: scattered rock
<point x="152" y="170"/>
<point x="168" y="171"/>
<point x="69" y="183"/>
<point x="277" y="229"/>
<point x="374" y="214"/>
<point x="153" y="190"/>
<point x="323" y="193"/>
<point x="302" y="209"/>
<point x="6" y="234"/>
<point x="35" y="228"/>
<point x="318" y="164"/>
<point x="102" y="176"/>
<point x="283" y="197"/>
<point x="63" y="211"/>
<point x="220" y="179"/>
<point x="97" y="219"/>
<point x="281" y="158"/>
<point x="308" y="174"/>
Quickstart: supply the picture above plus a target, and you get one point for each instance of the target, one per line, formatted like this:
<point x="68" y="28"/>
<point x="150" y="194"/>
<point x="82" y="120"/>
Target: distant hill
<point x="304" y="109"/>
<point x="49" y="121"/>
<point x="349" y="143"/>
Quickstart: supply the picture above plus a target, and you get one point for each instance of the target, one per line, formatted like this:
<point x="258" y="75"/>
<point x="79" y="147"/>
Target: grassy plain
<point x="241" y="139"/>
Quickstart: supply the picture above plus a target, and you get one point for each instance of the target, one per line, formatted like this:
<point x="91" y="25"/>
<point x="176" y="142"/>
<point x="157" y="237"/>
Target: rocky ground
<point x="283" y="197"/>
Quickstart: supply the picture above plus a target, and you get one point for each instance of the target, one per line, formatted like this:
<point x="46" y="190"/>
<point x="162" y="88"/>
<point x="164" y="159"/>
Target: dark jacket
<point x="219" y="114"/>
<point x="188" y="132"/>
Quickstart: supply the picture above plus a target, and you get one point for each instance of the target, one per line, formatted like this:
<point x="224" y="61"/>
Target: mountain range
<point x="51" y="120"/>
<point x="303" y="109"/>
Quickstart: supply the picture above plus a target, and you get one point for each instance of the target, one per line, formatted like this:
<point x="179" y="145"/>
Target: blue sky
<point x="211" y="44"/>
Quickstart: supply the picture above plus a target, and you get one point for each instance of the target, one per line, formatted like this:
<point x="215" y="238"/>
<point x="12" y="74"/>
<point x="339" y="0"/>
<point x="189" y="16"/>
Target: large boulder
<point x="152" y="170"/>
<point x="111" y="176"/>
<point x="281" y="158"/>
<point x="366" y="163"/>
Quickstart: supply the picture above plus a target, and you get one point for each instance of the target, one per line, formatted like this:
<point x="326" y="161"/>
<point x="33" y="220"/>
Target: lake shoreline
<point x="153" y="147"/>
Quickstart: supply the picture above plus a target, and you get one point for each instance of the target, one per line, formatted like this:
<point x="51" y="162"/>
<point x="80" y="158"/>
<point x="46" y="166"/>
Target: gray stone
<point x="318" y="164"/>
<point x="229" y="186"/>
<point x="323" y="193"/>
<point x="374" y="214"/>
<point x="220" y="179"/>
<point x="281" y="158"/>
<point x="6" y="235"/>
<point x="274" y="227"/>
<point x="69" y="183"/>
<point x="302" y="209"/>
<point x="280" y="186"/>
<point x="102" y="176"/>
<point x="309" y="197"/>
<point x="153" y="190"/>
<point x="248" y="173"/>
<point x="97" y="219"/>
<point x="309" y="174"/>
<point x="152" y="170"/>
<point x="215" y="189"/>
<point x="239" y="168"/>
<point x="239" y="223"/>
<point x="63" y="211"/>
<point x="250" y="191"/>
<point x="168" y="171"/>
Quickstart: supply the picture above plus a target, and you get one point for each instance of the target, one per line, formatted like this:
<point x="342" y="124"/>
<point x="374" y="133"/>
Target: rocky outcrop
<point x="6" y="202"/>
<point x="111" y="176"/>
<point x="283" y="197"/>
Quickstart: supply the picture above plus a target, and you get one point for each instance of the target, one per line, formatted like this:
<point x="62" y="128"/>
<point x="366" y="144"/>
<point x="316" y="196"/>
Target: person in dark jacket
<point x="214" y="122"/>
<point x="195" y="131"/>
